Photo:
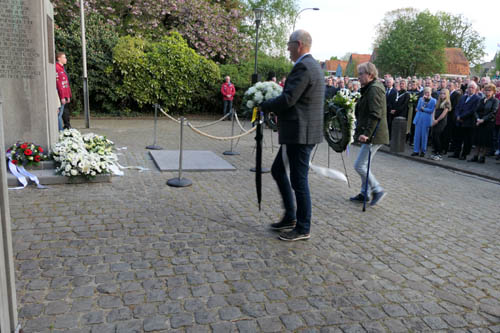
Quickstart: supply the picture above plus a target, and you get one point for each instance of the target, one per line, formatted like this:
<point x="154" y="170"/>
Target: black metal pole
<point x="255" y="76"/>
<point x="179" y="181"/>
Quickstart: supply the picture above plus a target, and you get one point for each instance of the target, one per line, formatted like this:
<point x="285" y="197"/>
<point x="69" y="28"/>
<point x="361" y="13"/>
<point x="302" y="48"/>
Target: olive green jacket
<point x="371" y="108"/>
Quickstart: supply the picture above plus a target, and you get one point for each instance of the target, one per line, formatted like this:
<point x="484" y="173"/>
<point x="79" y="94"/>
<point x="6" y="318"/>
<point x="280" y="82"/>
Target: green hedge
<point x="101" y="39"/>
<point x="167" y="72"/>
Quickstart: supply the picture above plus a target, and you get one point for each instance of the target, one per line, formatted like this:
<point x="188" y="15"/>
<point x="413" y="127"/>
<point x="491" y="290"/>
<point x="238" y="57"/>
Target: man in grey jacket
<point x="300" y="117"/>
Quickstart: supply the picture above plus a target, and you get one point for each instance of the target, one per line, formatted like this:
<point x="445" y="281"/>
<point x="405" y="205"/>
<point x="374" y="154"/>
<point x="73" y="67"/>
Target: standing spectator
<point x="282" y="82"/>
<point x="496" y="76"/>
<point x="497" y="124"/>
<point x="227" y="90"/>
<point x="342" y="88"/>
<point x="355" y="87"/>
<point x="371" y="120"/>
<point x="439" y="120"/>
<point x="422" y="121"/>
<point x="271" y="76"/>
<point x="300" y="115"/>
<point x="464" y="85"/>
<point x="390" y="99"/>
<point x="484" y="115"/>
<point x="464" y="122"/>
<point x="410" y="128"/>
<point x="330" y="89"/>
<point x="447" y="134"/>
<point x="442" y="85"/>
<point x="400" y="108"/>
<point x="63" y="90"/>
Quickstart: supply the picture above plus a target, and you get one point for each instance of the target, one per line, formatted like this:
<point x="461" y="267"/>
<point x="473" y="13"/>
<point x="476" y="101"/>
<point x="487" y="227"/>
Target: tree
<point x="412" y="46"/>
<point x="346" y="56"/>
<point x="384" y="27"/>
<point x="497" y="61"/>
<point x="275" y="26"/>
<point x="212" y="27"/>
<point x="334" y="58"/>
<point x="459" y="33"/>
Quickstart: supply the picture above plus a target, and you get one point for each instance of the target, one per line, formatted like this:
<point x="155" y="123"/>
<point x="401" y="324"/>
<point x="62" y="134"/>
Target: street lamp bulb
<point x="258" y="14"/>
<point x="316" y="8"/>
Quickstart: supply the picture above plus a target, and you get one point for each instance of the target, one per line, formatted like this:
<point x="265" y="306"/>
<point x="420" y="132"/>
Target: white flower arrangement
<point x="346" y="101"/>
<point x="83" y="155"/>
<point x="260" y="92"/>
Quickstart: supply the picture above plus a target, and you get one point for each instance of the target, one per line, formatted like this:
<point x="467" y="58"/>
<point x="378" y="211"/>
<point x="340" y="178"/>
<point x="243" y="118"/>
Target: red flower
<point x="14" y="161"/>
<point x="24" y="146"/>
<point x="28" y="152"/>
<point x="37" y="158"/>
<point x="40" y="149"/>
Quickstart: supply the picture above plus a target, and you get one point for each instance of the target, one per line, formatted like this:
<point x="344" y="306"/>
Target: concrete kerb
<point x="386" y="150"/>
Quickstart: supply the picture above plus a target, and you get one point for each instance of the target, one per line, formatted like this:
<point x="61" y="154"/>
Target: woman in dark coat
<point x="485" y="124"/>
<point x="439" y="121"/>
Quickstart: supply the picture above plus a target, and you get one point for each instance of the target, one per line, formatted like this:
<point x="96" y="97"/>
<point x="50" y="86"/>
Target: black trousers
<point x="463" y="136"/>
<point x="66" y="115"/>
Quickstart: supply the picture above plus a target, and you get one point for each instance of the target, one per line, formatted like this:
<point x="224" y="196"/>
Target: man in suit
<point x="390" y="98"/>
<point x="447" y="135"/>
<point x="330" y="89"/>
<point x="300" y="116"/>
<point x="464" y="122"/>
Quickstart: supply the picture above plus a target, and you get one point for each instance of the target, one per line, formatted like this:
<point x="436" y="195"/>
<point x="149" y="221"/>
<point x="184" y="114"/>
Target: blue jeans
<point x="298" y="159"/>
<point x="60" y="117"/>
<point x="361" y="165"/>
<point x="228" y="105"/>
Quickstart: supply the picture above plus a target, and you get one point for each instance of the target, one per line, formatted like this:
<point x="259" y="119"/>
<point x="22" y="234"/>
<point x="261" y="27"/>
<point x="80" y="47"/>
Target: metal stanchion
<point x="154" y="146"/>
<point x="231" y="152"/>
<point x="328" y="149"/>
<point x="179" y="181"/>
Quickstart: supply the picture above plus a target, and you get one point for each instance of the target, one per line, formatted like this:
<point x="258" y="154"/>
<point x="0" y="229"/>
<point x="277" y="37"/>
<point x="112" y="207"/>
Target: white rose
<point x="74" y="172"/>
<point x="250" y="104"/>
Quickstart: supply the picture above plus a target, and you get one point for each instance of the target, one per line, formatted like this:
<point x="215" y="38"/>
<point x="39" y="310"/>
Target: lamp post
<point x="86" y="111"/>
<point x="295" y="19"/>
<point x="258" y="17"/>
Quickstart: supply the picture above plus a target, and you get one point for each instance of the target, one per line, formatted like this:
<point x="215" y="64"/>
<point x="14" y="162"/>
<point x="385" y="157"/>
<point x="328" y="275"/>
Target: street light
<point x="258" y="12"/>
<point x="315" y="8"/>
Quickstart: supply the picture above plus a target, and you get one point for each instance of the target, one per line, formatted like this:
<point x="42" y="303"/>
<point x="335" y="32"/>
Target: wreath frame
<point x="336" y="122"/>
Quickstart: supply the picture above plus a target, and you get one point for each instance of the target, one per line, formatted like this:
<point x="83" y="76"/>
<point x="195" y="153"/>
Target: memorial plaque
<point x="27" y="71"/>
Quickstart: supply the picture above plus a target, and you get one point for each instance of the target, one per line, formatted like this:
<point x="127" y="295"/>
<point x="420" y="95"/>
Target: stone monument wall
<point x="27" y="71"/>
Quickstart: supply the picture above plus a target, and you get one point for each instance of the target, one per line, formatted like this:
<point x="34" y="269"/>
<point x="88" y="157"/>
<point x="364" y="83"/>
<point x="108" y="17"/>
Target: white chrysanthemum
<point x="258" y="97"/>
<point x="250" y="104"/>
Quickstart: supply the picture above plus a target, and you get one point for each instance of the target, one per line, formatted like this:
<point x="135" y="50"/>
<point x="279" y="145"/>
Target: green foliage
<point x="241" y="74"/>
<point x="497" y="61"/>
<point x="101" y="38"/>
<point x="459" y="33"/>
<point x="412" y="46"/>
<point x="351" y="69"/>
<point x="167" y="72"/>
<point x="334" y="58"/>
<point x="275" y="26"/>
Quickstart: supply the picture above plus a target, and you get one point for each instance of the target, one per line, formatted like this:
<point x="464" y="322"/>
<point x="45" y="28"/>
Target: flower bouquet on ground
<point x="85" y="155"/>
<point x="25" y="154"/>
<point x="340" y="120"/>
<point x="412" y="103"/>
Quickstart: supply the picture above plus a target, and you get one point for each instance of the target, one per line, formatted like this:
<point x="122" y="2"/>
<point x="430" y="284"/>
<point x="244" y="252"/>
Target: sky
<point x="342" y="26"/>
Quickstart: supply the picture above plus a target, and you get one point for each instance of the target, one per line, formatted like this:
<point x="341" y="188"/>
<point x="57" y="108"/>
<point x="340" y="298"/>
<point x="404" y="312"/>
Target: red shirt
<point x="62" y="82"/>
<point x="227" y="89"/>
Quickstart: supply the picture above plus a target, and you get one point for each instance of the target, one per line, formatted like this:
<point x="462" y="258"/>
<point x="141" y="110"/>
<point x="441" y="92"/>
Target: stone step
<point x="49" y="177"/>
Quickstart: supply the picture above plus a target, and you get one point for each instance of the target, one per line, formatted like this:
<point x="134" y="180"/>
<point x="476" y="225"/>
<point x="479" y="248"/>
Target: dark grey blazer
<point x="300" y="107"/>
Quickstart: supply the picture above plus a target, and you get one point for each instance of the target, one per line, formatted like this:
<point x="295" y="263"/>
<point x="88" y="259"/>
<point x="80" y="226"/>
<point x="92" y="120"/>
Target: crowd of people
<point x="460" y="116"/>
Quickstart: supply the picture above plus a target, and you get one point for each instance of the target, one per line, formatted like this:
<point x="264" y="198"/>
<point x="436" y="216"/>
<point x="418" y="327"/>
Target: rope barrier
<point x="219" y="137"/>
<point x="214" y="122"/>
<point x="200" y="126"/>
<point x="196" y="129"/>
<point x="238" y="121"/>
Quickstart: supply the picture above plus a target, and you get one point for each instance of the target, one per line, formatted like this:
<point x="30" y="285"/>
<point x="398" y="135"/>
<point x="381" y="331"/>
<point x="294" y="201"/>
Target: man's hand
<point x="479" y="122"/>
<point x="393" y="111"/>
<point x="63" y="101"/>
<point x="362" y="138"/>
<point x="228" y="96"/>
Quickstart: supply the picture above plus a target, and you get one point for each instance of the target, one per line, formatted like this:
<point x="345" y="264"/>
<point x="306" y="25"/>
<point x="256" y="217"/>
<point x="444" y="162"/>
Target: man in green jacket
<point x="371" y="130"/>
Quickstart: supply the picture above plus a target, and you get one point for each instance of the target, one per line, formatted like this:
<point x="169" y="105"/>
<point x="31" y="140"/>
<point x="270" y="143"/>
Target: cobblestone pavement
<point x="136" y="255"/>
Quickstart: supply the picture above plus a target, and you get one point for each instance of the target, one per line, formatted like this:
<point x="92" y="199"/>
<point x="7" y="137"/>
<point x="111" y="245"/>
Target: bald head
<point x="299" y="44"/>
<point x="303" y="36"/>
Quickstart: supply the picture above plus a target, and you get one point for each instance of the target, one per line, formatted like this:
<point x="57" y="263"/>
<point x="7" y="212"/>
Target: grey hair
<point x="303" y="36"/>
<point x="473" y="84"/>
<point x="428" y="89"/>
<point x="368" y="68"/>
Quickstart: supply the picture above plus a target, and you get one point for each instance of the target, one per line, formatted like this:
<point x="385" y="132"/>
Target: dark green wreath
<point x="336" y="127"/>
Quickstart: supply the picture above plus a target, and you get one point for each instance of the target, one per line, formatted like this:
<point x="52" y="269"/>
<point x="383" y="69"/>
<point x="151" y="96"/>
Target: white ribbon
<point x="21" y="173"/>
<point x="20" y="178"/>
<point x="31" y="176"/>
<point x="326" y="172"/>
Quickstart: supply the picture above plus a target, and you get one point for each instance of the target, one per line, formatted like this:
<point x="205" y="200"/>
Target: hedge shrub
<point x="167" y="72"/>
<point x="101" y="39"/>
